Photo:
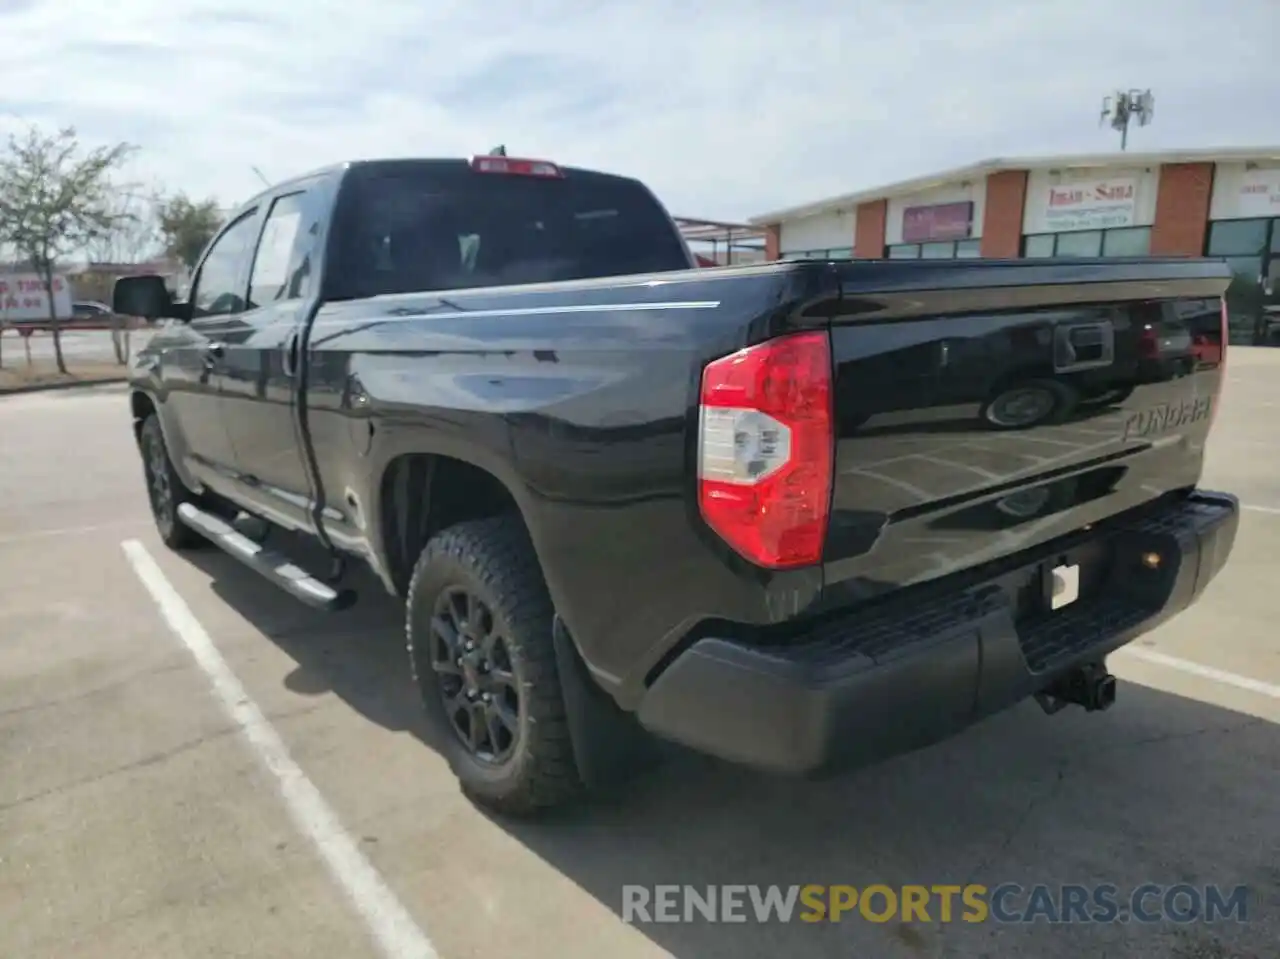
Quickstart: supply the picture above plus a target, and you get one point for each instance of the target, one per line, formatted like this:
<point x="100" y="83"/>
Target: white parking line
<point x="68" y="531"/>
<point x="394" y="930"/>
<point x="1260" y="509"/>
<point x="1269" y="690"/>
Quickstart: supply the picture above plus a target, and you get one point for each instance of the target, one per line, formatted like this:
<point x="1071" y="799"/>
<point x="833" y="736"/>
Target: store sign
<point x="23" y="298"/>
<point x="1259" y="193"/>
<point x="1091" y="205"/>
<point x="941" y="221"/>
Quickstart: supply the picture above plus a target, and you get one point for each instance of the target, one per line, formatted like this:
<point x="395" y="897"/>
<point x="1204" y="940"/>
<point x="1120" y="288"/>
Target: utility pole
<point x="1125" y="106"/>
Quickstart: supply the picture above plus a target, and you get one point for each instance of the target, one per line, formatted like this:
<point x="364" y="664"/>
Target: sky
<point x="726" y="108"/>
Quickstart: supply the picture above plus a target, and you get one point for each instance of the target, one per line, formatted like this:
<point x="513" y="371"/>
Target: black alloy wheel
<point x="477" y="679"/>
<point x="479" y="625"/>
<point x="159" y="486"/>
<point x="165" y="490"/>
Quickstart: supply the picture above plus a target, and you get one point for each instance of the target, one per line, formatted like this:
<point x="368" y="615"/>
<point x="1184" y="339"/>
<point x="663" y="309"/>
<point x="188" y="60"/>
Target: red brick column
<point x="773" y="242"/>
<point x="1182" y="209"/>
<point x="868" y="231"/>
<point x="1002" y="216"/>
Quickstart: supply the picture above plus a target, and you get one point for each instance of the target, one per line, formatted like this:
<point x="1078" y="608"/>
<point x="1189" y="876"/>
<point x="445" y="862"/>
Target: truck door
<point x="191" y="369"/>
<point x="261" y="364"/>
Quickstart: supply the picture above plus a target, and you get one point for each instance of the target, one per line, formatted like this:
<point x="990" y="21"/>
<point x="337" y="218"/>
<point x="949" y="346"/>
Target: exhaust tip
<point x="1106" y="692"/>
<point x="1090" y="687"/>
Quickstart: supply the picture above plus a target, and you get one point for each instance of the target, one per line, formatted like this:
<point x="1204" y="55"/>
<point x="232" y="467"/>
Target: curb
<point x="51" y="387"/>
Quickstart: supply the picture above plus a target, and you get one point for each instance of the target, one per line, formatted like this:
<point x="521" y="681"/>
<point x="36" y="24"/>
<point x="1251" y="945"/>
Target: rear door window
<point x="269" y="280"/>
<point x="428" y="230"/>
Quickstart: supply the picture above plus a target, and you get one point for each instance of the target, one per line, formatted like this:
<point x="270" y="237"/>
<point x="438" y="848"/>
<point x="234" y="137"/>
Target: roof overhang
<point x="986" y="167"/>
<point x="738" y="235"/>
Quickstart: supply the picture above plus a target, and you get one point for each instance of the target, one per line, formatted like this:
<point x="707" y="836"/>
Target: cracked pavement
<point x="132" y="824"/>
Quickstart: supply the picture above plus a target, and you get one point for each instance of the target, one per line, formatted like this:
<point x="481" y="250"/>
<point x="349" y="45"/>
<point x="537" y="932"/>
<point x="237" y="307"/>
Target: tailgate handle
<point x="1083" y="346"/>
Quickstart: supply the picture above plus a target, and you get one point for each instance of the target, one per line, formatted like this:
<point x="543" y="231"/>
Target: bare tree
<point x="56" y="198"/>
<point x="134" y="236"/>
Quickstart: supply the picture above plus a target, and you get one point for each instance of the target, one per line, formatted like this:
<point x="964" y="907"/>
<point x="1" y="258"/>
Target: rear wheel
<point x="164" y="489"/>
<point x="479" y="625"/>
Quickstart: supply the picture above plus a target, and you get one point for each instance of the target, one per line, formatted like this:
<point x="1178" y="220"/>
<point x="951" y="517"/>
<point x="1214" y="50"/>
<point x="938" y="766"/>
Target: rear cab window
<point x="438" y="225"/>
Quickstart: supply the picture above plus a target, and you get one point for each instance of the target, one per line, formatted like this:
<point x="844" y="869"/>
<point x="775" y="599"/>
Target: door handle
<point x="289" y="359"/>
<point x="1083" y="346"/>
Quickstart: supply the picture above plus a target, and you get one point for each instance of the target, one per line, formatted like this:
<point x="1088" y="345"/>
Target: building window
<point x="1122" y="241"/>
<point x="1252" y="249"/>
<point x="1038" y="247"/>
<point x="949" y="250"/>
<point x="1135" y="241"/>
<point x="1084" y="243"/>
<point x="1238" y="237"/>
<point x="834" y="253"/>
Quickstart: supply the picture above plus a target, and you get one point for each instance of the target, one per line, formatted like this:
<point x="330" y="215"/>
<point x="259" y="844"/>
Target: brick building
<point x="95" y="280"/>
<point x="1174" y="203"/>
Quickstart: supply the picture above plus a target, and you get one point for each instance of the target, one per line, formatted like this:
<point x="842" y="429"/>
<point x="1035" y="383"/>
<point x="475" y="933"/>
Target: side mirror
<point x="145" y="296"/>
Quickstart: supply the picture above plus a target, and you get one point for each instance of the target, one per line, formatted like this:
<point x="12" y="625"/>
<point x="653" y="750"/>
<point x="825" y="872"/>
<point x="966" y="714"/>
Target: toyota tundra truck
<point x="801" y="516"/>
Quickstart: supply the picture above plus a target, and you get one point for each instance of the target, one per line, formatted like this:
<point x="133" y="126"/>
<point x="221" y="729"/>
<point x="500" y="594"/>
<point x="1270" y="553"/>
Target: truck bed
<point x="582" y="397"/>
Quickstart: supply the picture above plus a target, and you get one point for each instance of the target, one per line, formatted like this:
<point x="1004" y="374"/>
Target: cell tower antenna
<point x="1125" y="106"/>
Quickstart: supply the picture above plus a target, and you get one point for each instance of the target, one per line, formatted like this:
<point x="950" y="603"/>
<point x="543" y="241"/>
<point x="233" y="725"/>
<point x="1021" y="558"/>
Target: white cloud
<point x="725" y="108"/>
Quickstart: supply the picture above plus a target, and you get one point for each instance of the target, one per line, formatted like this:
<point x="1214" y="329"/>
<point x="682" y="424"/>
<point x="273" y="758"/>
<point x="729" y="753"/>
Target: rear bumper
<point x="937" y="658"/>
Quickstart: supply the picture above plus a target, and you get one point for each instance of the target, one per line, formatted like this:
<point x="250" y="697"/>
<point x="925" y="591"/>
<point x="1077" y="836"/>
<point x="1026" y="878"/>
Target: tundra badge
<point x="1166" y="416"/>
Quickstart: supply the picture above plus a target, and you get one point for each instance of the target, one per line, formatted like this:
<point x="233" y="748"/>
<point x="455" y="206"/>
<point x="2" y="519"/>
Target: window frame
<point x="1268" y="233"/>
<point x="916" y="251"/>
<point x="247" y="216"/>
<point x="1053" y="239"/>
<point x="830" y="253"/>
<point x="287" y="294"/>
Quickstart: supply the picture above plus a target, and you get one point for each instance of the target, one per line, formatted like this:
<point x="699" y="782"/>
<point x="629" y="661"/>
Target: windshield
<point x="432" y="229"/>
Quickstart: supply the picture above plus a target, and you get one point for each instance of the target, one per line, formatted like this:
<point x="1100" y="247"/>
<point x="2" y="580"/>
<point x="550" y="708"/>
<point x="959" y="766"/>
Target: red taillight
<point x="1148" y="343"/>
<point x="765" y="449"/>
<point x="515" y="166"/>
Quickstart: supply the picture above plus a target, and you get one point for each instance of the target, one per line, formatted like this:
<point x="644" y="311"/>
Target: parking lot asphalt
<point x="193" y="765"/>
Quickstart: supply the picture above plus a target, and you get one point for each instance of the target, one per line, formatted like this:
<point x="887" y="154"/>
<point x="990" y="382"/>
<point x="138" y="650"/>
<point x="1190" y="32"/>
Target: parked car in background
<point x="89" y="309"/>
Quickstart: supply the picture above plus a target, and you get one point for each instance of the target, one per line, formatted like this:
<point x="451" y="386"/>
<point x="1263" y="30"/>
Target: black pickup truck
<point x="801" y="515"/>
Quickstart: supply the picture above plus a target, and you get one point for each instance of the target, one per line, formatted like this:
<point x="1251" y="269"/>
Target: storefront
<point x="943" y="223"/>
<point x="1221" y="203"/>
<point x="1094" y="212"/>
<point x="824" y="236"/>
<point x="1244" y="229"/>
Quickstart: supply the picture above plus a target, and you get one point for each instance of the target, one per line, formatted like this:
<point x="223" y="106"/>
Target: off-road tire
<point x="164" y="508"/>
<point x="494" y="560"/>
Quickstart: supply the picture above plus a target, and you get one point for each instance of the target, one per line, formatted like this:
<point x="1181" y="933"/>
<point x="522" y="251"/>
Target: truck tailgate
<point x="1012" y="404"/>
